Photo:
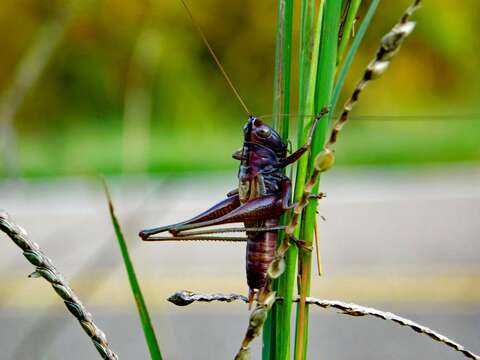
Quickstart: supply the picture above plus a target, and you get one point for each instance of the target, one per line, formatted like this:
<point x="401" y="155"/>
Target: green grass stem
<point x="351" y="53"/>
<point x="307" y="18"/>
<point x="308" y="104"/>
<point x="319" y="55"/>
<point x="148" y="329"/>
<point x="327" y="60"/>
<point x="347" y="28"/>
<point x="276" y="331"/>
<point x="286" y="283"/>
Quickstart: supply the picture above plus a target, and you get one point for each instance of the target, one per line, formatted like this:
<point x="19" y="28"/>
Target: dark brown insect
<point x="262" y="196"/>
<point x="264" y="192"/>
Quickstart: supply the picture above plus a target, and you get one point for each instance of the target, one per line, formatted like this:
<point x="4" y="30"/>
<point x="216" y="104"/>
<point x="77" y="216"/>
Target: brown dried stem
<point x="45" y="268"/>
<point x="185" y="297"/>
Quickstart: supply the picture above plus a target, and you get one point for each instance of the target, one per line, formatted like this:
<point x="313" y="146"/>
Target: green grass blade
<point x="148" y="329"/>
<point x="283" y="57"/>
<point x="306" y="105"/>
<point x="351" y="53"/>
<point x="276" y="336"/>
<point x="309" y="104"/>
<point x="307" y="18"/>
<point x="286" y="283"/>
<point x="327" y="61"/>
<point x="347" y="28"/>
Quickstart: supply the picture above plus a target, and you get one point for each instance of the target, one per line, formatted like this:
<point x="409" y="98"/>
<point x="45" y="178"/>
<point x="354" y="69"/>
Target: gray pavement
<point x="404" y="240"/>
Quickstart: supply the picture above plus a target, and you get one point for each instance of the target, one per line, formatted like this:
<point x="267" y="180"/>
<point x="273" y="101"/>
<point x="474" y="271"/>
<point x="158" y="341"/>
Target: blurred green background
<point x="119" y="86"/>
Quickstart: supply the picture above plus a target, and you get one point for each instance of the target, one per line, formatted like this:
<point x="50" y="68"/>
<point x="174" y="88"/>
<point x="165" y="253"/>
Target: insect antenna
<point x="394" y="117"/>
<point x="389" y="46"/>
<point x="215" y="58"/>
<point x="288" y="114"/>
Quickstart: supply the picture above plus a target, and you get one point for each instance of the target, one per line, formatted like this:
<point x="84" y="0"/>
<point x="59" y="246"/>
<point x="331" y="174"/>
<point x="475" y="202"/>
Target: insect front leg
<point x="216" y="211"/>
<point x="298" y="154"/>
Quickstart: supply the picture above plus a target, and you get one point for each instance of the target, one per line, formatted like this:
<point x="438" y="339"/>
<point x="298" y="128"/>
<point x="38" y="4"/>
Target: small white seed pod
<point x="34" y="257"/>
<point x="276" y="268"/>
<point x="47" y="274"/>
<point x="243" y="354"/>
<point x="89" y="328"/>
<point x="324" y="160"/>
<point x="258" y="317"/>
<point x="406" y="28"/>
<point x="62" y="291"/>
<point x="377" y="68"/>
<point x="22" y="230"/>
<point x="270" y="299"/>
<point x="392" y="41"/>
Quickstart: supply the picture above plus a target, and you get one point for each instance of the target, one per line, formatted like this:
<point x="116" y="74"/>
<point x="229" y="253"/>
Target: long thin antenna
<point x="219" y="64"/>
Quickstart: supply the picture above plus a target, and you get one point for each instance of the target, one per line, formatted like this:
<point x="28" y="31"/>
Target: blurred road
<point x="403" y="240"/>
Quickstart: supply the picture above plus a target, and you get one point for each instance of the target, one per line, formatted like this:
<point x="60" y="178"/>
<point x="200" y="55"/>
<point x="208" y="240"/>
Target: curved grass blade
<point x="148" y="329"/>
<point x="351" y="53"/>
<point x="353" y="7"/>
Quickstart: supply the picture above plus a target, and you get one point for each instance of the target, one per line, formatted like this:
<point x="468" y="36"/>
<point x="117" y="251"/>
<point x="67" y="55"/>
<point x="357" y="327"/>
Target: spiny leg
<point x="261" y="208"/>
<point x="257" y="209"/>
<point x="197" y="238"/>
<point x="216" y="211"/>
<point x="233" y="230"/>
<point x="195" y="234"/>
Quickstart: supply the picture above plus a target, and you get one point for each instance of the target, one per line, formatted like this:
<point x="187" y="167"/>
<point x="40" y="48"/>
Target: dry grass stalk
<point x="45" y="268"/>
<point x="185" y="297"/>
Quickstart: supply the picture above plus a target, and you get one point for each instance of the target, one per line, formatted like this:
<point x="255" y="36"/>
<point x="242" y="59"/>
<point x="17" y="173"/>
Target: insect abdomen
<point x="261" y="247"/>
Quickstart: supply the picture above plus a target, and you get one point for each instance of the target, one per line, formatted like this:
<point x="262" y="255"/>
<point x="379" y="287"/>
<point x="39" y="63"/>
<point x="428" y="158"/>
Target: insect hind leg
<point x="216" y="211"/>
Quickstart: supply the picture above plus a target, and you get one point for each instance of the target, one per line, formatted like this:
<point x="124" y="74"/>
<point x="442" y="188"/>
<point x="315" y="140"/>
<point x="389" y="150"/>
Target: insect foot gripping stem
<point x="301" y="244"/>
<point x="317" y="196"/>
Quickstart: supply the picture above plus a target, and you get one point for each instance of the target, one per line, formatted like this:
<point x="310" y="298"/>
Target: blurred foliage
<point x="131" y="87"/>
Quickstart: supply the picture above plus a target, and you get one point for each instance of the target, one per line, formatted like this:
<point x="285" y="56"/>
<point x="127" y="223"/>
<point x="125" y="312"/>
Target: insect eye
<point x="263" y="132"/>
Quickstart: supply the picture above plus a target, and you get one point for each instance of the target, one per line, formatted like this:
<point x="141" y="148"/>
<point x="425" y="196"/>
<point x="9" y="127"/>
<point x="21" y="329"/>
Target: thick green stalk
<point x="287" y="281"/>
<point x="307" y="18"/>
<point x="308" y="104"/>
<point x="283" y="57"/>
<point x="276" y="335"/>
<point x="324" y="85"/>
<point x="307" y="107"/>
